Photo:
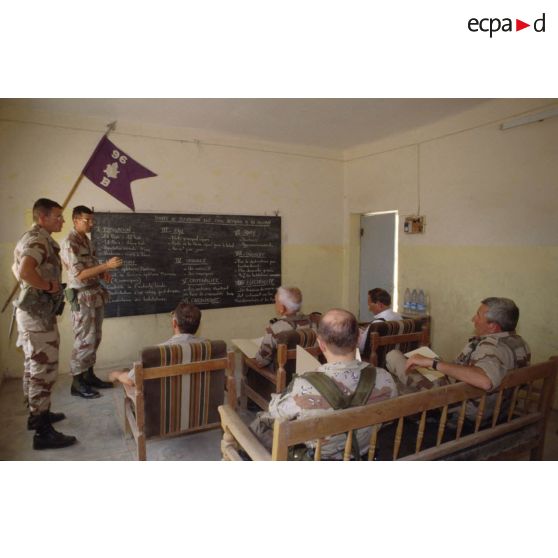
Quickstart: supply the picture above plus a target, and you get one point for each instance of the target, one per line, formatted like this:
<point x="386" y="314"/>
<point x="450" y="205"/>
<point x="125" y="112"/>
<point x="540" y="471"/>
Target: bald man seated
<point x="337" y="337"/>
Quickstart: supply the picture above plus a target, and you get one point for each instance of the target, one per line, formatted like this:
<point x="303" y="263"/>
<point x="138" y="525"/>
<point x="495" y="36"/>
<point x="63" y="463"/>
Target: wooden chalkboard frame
<point x="213" y="261"/>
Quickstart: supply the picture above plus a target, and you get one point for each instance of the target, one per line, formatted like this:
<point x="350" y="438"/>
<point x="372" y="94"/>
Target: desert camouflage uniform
<point x="302" y="400"/>
<point x="268" y="346"/>
<point x="38" y="335"/>
<point x="78" y="253"/>
<point x="495" y="354"/>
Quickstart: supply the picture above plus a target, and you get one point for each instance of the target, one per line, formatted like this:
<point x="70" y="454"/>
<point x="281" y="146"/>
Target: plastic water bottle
<point x="421" y="302"/>
<point x="407" y="301"/>
<point x="414" y="300"/>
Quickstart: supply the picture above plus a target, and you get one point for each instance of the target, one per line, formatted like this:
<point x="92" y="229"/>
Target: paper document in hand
<point x="428" y="373"/>
<point x="423" y="351"/>
<point x="305" y="362"/>
<point x="249" y="347"/>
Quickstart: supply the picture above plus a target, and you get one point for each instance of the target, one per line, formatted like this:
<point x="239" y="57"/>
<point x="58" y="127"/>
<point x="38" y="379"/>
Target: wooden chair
<point x="404" y="335"/>
<point x="426" y="425"/>
<point x="178" y="389"/>
<point x="257" y="384"/>
<point x="381" y="345"/>
<point x="315" y="318"/>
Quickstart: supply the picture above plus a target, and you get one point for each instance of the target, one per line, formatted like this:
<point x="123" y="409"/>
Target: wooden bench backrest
<point x="259" y="383"/>
<point x="405" y="341"/>
<point x="168" y="406"/>
<point x="287" y="342"/>
<point x="531" y="391"/>
<point x="385" y="336"/>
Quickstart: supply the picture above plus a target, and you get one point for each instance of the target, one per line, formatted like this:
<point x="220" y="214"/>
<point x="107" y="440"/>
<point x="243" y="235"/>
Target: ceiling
<point x="328" y="123"/>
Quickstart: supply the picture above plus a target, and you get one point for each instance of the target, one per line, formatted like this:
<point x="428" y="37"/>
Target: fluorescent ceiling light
<point x="521" y="120"/>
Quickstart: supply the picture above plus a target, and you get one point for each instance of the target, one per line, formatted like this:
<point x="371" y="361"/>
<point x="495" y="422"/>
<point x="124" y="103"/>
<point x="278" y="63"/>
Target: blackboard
<point x="212" y="261"/>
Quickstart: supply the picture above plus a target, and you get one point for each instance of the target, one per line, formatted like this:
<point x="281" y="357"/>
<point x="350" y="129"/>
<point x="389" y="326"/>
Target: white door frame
<point x="394" y="294"/>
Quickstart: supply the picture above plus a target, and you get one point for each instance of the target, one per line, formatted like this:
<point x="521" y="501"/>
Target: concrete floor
<point x="98" y="426"/>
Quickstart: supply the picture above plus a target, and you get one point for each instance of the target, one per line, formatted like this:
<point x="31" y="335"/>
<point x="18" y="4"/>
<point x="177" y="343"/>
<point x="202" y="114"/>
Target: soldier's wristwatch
<point x="435" y="362"/>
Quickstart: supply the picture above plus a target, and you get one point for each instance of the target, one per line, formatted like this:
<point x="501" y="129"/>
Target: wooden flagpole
<point x="110" y="128"/>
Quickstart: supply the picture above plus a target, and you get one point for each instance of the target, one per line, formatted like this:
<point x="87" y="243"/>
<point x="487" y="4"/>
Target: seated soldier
<point x="185" y="322"/>
<point x="379" y="303"/>
<point x="288" y="301"/>
<point x="337" y="337"/>
<point x="483" y="363"/>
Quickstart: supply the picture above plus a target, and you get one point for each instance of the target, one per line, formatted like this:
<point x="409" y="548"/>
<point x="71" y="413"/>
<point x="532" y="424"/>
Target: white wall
<point x="490" y="199"/>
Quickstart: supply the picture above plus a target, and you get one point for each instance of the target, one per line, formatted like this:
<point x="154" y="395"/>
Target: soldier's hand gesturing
<point x="113" y="263"/>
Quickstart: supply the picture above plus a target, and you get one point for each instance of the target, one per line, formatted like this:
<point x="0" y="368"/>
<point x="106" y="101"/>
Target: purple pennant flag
<point x="112" y="170"/>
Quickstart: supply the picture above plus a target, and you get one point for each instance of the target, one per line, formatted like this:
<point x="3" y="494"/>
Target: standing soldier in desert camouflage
<point x="38" y="269"/>
<point x="87" y="298"/>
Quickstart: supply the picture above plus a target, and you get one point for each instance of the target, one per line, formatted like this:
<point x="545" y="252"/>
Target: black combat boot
<point x="52" y="417"/>
<point x="48" y="438"/>
<point x="79" y="387"/>
<point x="91" y="380"/>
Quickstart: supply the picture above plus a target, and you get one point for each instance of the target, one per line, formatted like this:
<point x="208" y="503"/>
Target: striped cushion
<point x="305" y="337"/>
<point x="396" y="327"/>
<point x="182" y="403"/>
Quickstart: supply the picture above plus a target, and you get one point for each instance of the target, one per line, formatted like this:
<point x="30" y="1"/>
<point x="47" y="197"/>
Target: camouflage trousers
<point x="412" y="382"/>
<point x="40" y="367"/>
<point x="87" y="325"/>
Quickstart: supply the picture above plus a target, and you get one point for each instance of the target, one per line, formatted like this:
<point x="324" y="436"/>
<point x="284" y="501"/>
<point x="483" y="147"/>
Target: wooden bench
<point x="417" y="426"/>
<point x="257" y="383"/>
<point x="404" y="335"/>
<point x="178" y="388"/>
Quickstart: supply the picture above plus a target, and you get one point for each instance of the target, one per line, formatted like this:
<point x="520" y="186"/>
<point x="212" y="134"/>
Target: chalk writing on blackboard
<point x="213" y="261"/>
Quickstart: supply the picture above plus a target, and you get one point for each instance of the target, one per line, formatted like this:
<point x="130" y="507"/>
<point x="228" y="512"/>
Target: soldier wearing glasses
<point x="87" y="297"/>
<point x="37" y="268"/>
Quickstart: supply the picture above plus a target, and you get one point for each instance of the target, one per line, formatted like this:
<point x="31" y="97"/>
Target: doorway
<point x="378" y="258"/>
